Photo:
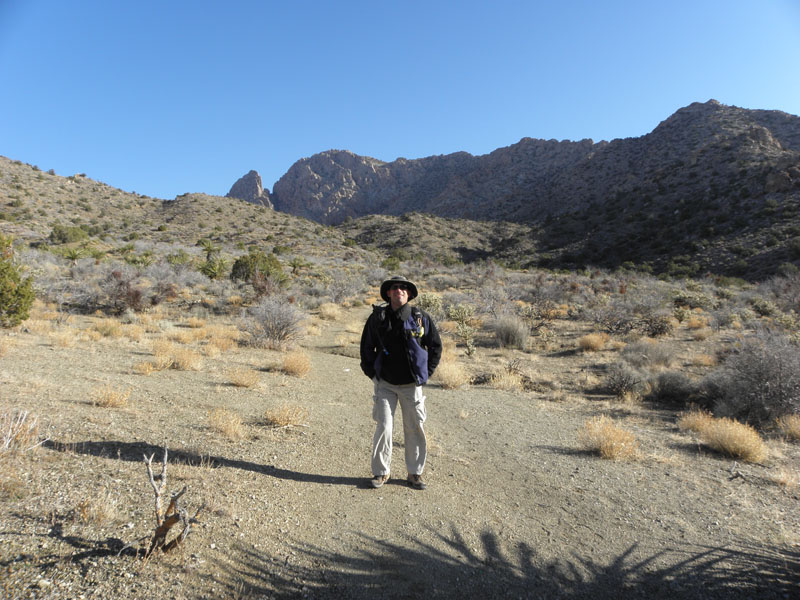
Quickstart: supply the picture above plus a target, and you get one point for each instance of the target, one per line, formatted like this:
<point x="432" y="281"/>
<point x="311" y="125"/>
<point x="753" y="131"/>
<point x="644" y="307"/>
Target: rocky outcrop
<point x="702" y="152"/>
<point x="249" y="189"/>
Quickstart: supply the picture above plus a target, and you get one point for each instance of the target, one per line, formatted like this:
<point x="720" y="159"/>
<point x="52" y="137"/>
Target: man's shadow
<point x="136" y="451"/>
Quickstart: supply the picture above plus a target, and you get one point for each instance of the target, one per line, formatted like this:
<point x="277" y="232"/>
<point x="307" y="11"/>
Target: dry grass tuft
<point x="733" y="439"/>
<point x="39" y="326"/>
<point x="96" y="510"/>
<point x="184" y="359"/>
<point x="452" y="375"/>
<point x="63" y="339"/>
<point x="788" y="479"/>
<point x="593" y="342"/>
<point x="329" y="311"/>
<point x="187" y="336"/>
<point x="110" y="328"/>
<point x="227" y="423"/>
<point x="19" y="431"/>
<point x="343" y="340"/>
<point x="789" y="425"/>
<point x="286" y="415"/>
<point x="509" y="381"/>
<point x="108" y="396"/>
<point x="701" y="335"/>
<point x="694" y="420"/>
<point x="696" y="322"/>
<point x="602" y="436"/>
<point x="244" y="377"/>
<point x="704" y="360"/>
<point x="296" y="363"/>
<point x="146" y="367"/>
<point x="195" y="322"/>
<point x="134" y="333"/>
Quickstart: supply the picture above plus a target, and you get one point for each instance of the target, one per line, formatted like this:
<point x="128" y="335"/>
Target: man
<point x="400" y="349"/>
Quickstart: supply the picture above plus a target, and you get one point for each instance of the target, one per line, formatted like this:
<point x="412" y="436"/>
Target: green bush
<point x="245" y="267"/>
<point x="63" y="234"/>
<point x="16" y="293"/>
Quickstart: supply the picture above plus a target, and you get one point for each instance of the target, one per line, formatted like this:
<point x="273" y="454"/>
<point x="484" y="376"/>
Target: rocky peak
<point x="249" y="189"/>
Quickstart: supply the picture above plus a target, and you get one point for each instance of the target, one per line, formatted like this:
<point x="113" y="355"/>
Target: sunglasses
<point x="399" y="286"/>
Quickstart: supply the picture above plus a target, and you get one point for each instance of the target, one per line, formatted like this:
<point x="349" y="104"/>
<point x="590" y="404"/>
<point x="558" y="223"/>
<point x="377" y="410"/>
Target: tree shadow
<point x="451" y="567"/>
<point x="85" y="549"/>
<point x="134" y="452"/>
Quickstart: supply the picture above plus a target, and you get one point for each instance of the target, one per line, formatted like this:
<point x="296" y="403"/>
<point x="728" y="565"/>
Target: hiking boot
<point x="379" y="480"/>
<point x="415" y="481"/>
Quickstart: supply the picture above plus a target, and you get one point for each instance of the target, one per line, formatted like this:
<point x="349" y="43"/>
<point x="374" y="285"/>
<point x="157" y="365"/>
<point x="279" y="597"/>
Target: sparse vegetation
<point x="296" y="363"/>
<point x="603" y="437"/>
<point x="226" y="422"/>
<point x="16" y="291"/>
<point x="286" y="415"/>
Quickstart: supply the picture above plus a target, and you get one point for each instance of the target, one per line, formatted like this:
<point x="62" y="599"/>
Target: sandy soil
<point x="514" y="508"/>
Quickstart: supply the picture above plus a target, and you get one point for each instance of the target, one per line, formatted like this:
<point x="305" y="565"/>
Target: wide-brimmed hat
<point x="412" y="289"/>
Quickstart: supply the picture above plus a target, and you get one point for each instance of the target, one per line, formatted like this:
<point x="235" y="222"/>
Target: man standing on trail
<point x="400" y="349"/>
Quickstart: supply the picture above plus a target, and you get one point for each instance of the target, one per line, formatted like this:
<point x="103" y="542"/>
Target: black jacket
<point x="401" y="347"/>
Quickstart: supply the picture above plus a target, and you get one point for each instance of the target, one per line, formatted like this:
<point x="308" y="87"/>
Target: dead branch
<point x="172" y="516"/>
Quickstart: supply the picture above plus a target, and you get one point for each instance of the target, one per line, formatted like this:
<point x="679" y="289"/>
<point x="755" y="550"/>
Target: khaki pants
<point x="412" y="405"/>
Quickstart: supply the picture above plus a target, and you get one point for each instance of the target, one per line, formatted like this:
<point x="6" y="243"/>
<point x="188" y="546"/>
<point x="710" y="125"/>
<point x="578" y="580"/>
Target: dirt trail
<point x="514" y="508"/>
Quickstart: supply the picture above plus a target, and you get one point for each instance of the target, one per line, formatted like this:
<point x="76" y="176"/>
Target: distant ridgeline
<point x="706" y="173"/>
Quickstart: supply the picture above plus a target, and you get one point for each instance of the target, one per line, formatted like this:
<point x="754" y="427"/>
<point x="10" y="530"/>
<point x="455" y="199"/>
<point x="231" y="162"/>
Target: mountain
<point x="702" y="151"/>
<point x="712" y="187"/>
<point x="249" y="188"/>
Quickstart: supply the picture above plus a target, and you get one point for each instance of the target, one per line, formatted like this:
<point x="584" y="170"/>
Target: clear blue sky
<point x="175" y="96"/>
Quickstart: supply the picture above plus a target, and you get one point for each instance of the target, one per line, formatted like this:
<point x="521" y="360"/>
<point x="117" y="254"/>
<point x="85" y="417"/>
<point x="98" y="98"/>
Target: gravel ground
<point x="514" y="508"/>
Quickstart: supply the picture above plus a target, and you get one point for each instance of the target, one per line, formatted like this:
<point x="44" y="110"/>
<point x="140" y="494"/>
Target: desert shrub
<point x="344" y="285"/>
<point x="789" y="425"/>
<point x="273" y="323"/>
<point x="227" y="423"/>
<point x="506" y="379"/>
<point x="762" y="306"/>
<point x="624" y="381"/>
<point x="616" y="318"/>
<point x="492" y="300"/>
<point x="593" y="342"/>
<point x="245" y="267"/>
<point x="672" y="387"/>
<point x="286" y="415"/>
<point x="108" y="396"/>
<point x="329" y="311"/>
<point x="244" y="377"/>
<point x="16" y="292"/>
<point x="655" y="324"/>
<point x="759" y="383"/>
<point x="694" y="420"/>
<point x="734" y="439"/>
<point x="511" y="332"/>
<point x="297" y="364"/>
<point x="460" y="313"/>
<point x="452" y="375"/>
<point x="648" y="353"/>
<point x="431" y="303"/>
<point x="214" y="267"/>
<point x="603" y="437"/>
<point x="184" y="359"/>
<point x="692" y="299"/>
<point x="62" y="234"/>
<point x="19" y="431"/>
<point x="122" y="290"/>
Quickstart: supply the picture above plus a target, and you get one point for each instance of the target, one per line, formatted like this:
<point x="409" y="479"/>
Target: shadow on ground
<point x="452" y="568"/>
<point x="136" y="451"/>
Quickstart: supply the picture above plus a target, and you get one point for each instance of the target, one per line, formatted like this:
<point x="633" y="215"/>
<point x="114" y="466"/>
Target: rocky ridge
<point x="706" y="150"/>
<point x="249" y="188"/>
